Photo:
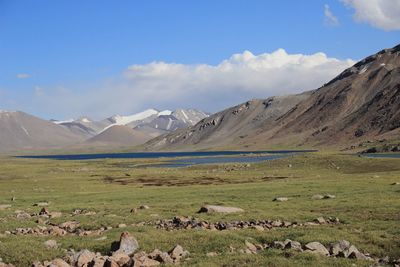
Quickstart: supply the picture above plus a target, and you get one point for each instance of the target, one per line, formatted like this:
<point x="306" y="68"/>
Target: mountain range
<point x="21" y="131"/>
<point x="361" y="104"/>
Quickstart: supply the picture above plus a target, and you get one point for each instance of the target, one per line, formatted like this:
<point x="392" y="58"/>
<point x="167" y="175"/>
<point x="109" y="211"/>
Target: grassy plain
<point x="366" y="203"/>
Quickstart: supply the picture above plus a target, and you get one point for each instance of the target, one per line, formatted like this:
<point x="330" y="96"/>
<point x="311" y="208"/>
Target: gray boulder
<point x="219" y="209"/>
<point x="317" y="247"/>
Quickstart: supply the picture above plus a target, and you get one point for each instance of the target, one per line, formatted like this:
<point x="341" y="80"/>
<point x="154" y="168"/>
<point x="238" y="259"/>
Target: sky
<point x="69" y="58"/>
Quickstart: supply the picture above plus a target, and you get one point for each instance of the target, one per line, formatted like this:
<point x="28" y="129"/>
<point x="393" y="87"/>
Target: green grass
<point x="366" y="203"/>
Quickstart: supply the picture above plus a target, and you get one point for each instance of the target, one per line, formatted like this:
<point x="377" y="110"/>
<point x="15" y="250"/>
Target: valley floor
<point x="367" y="203"/>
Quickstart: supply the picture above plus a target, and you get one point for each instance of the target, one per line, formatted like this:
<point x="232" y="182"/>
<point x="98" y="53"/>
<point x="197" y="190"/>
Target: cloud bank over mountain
<point x="207" y="87"/>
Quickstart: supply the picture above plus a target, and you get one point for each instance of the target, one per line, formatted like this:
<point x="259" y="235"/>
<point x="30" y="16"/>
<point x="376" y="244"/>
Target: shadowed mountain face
<point x="362" y="103"/>
<point x="19" y="130"/>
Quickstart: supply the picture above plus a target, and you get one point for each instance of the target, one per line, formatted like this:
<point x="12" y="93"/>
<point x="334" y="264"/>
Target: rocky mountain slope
<point x="21" y="131"/>
<point x="361" y="103"/>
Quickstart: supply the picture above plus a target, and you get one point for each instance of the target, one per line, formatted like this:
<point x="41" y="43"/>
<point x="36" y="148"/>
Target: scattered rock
<point x="328" y="196"/>
<point x="177" y="253"/>
<point x="212" y="254"/>
<point x="317" y="197"/>
<point x="219" y="209"/>
<point x="290" y="244"/>
<point x="44" y="211"/>
<point x="51" y="244"/>
<point x="121" y="225"/>
<point x="339" y="247"/>
<point x="144" y="207"/>
<point x="69" y="226"/>
<point x="251" y="247"/>
<point x="127" y="244"/>
<point x="180" y="222"/>
<point x="59" y="263"/>
<point x="280" y="199"/>
<point x="258" y="228"/>
<point x="120" y="258"/>
<point x="396" y="183"/>
<point x="317" y="248"/>
<point x="320" y="220"/>
<point x="23" y="216"/>
<point x="84" y="258"/>
<point x="134" y="210"/>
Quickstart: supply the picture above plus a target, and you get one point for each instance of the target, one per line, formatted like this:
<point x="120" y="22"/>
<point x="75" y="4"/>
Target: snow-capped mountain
<point x="150" y="122"/>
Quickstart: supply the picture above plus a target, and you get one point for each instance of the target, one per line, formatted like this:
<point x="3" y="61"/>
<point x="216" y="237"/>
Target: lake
<point x="382" y="155"/>
<point x="190" y="158"/>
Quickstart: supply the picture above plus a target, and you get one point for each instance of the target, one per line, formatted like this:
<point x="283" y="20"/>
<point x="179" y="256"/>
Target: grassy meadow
<point x="366" y="202"/>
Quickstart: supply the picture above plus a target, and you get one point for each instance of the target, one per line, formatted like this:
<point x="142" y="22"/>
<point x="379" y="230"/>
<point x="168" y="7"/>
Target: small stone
<point x="338" y="247"/>
<point x="278" y="244"/>
<point x="317" y="197"/>
<point x="23" y="216"/>
<point x="277" y="223"/>
<point x="258" y="228"/>
<point x="347" y="252"/>
<point x="290" y="244"/>
<point x="328" y="196"/>
<point x="84" y="258"/>
<point x="51" y="244"/>
<point x="177" y="253"/>
<point x="280" y="199"/>
<point x="134" y="210"/>
<point x="212" y="254"/>
<point x="44" y="211"/>
<point x="59" y="263"/>
<point x="219" y="209"/>
<point x="320" y="220"/>
<point x="145" y="262"/>
<point x="251" y="247"/>
<point x="144" y="207"/>
<point x="127" y="244"/>
<point x="396" y="183"/>
<point x="317" y="248"/>
<point x="120" y="258"/>
<point x="69" y="225"/>
<point x="357" y="255"/>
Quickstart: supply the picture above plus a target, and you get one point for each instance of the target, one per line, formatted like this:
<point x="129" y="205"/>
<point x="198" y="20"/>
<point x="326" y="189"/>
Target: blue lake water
<point x="215" y="160"/>
<point x="191" y="158"/>
<point x="382" y="155"/>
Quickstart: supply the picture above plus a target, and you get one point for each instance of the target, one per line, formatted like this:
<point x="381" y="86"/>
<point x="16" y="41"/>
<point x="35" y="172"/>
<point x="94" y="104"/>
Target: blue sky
<point x="70" y="52"/>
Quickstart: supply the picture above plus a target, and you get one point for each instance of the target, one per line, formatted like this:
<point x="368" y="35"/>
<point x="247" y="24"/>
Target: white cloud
<point x="209" y="87"/>
<point x="330" y="19"/>
<point x="38" y="91"/>
<point x="23" y="75"/>
<point x="382" y="14"/>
